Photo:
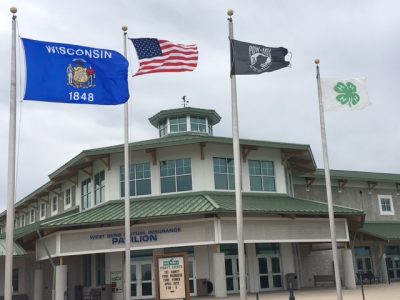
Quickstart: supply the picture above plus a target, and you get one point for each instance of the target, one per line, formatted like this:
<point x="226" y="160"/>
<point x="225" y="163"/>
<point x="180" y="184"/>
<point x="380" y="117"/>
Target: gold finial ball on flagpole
<point x="230" y="12"/>
<point x="125" y="28"/>
<point x="316" y="61"/>
<point x="13" y="9"/>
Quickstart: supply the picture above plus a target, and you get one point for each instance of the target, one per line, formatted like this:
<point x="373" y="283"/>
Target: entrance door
<point x="364" y="264"/>
<point x="192" y="277"/>
<point x="393" y="266"/>
<point x="269" y="272"/>
<point x="142" y="280"/>
<point x="232" y="273"/>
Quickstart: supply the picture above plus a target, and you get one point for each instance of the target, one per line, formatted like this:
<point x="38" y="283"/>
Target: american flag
<point x="157" y="56"/>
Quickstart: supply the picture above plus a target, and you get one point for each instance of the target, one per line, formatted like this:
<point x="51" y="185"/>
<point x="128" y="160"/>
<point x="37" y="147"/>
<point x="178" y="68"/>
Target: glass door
<point x="232" y="273"/>
<point x="142" y="286"/>
<point x="269" y="271"/>
<point x="393" y="266"/>
<point x="192" y="277"/>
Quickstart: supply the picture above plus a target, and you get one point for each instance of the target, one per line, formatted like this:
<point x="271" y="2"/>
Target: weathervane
<point x="184" y="101"/>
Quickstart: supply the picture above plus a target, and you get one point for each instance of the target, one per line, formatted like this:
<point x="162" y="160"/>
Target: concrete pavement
<point x="372" y="292"/>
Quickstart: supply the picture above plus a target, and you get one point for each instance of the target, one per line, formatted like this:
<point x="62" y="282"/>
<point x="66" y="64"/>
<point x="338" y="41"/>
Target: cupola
<point x="185" y="119"/>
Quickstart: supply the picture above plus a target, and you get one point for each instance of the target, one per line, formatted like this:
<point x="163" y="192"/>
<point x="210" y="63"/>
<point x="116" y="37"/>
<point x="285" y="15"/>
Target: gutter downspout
<point x="51" y="262"/>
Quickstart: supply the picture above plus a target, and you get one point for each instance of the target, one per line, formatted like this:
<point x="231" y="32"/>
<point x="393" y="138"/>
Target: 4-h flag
<point x="344" y="94"/>
<point x="247" y="58"/>
<point x="67" y="73"/>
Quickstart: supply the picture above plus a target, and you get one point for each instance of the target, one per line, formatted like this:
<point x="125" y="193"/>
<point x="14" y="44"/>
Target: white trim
<point x="386" y="213"/>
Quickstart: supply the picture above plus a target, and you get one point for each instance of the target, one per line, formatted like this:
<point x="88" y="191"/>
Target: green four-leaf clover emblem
<point x="347" y="93"/>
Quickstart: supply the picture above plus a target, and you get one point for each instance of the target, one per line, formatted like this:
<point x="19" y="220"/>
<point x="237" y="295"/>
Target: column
<point x="384" y="271"/>
<point x="219" y="275"/>
<point x="38" y="285"/>
<point x="348" y="269"/>
<point x="61" y="282"/>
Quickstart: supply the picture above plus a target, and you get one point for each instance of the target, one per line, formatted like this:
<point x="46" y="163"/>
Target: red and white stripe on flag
<point x="174" y="58"/>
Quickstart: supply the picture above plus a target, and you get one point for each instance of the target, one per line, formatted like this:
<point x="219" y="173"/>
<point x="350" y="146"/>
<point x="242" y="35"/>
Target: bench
<point x="325" y="279"/>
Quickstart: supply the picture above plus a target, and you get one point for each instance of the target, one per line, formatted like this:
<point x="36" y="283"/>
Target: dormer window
<point x="42" y="211"/>
<point x="32" y="215"/>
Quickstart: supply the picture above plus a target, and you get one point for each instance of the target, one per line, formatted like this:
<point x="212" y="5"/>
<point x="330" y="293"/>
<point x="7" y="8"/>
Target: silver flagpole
<point x="127" y="290"/>
<point x="328" y="188"/>
<point x="8" y="289"/>
<point x="238" y="176"/>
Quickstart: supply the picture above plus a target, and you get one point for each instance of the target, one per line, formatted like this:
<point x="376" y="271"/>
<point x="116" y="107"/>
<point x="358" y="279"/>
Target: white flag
<point x="344" y="94"/>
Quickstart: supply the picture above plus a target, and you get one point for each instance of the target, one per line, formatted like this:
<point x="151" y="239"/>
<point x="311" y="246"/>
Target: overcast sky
<point x="351" y="38"/>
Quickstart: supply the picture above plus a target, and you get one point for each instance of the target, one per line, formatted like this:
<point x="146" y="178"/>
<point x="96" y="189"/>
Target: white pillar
<point x="348" y="268"/>
<point x="61" y="282"/>
<point x="219" y="275"/>
<point x="38" y="285"/>
<point x="384" y="272"/>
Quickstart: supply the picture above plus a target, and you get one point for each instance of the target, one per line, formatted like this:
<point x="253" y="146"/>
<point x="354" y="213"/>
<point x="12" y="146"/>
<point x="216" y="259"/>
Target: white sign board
<point x="171" y="275"/>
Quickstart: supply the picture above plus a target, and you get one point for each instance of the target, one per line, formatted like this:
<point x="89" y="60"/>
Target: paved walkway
<point x="371" y="292"/>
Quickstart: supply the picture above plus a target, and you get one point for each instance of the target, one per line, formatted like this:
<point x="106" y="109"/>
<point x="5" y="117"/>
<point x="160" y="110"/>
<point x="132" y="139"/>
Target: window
<point x="87" y="270"/>
<point x="86" y="193"/>
<point x="99" y="187"/>
<point x="262" y="175"/>
<point x="42" y="211"/>
<point x="22" y="220"/>
<point x="163" y="128"/>
<point x="139" y="179"/>
<point x="32" y="216"/>
<point x="67" y="198"/>
<point x="176" y="175"/>
<point x="224" y="176"/>
<point x="54" y="205"/>
<point x="100" y="269"/>
<point x="198" y="124"/>
<point x="15" y="280"/>
<point x="386" y="204"/>
<point x="178" y="124"/>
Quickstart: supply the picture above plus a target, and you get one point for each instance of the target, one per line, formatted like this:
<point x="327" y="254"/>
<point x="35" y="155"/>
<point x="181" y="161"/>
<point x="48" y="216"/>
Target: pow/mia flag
<point x="248" y="59"/>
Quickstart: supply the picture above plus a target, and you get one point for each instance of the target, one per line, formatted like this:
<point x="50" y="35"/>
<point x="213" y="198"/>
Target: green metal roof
<point x="17" y="249"/>
<point x="358" y="176"/>
<point x="32" y="228"/>
<point x="389" y="231"/>
<point x="209" y="113"/>
<point x="187" y="204"/>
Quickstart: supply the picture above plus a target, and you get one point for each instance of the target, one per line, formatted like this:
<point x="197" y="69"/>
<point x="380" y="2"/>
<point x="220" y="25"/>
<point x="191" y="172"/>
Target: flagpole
<point x="127" y="291"/>
<point x="328" y="188"/>
<point x="8" y="289"/>
<point x="238" y="176"/>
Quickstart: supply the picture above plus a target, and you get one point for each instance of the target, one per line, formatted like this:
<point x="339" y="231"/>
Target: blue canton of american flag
<point x="157" y="56"/>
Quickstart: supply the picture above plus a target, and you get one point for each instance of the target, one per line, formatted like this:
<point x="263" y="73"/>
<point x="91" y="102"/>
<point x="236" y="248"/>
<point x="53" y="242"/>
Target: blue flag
<point x="66" y="73"/>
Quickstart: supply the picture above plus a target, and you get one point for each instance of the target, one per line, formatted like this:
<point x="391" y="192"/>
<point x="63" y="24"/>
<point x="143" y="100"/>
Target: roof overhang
<point x="388" y="231"/>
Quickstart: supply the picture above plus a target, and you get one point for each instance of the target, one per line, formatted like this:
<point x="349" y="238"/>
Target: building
<point x="70" y="233"/>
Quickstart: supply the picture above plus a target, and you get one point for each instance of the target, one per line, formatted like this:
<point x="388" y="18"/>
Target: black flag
<point x="248" y="59"/>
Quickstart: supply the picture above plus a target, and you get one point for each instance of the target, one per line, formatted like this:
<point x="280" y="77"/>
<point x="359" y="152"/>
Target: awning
<point x="18" y="250"/>
<point x="389" y="231"/>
